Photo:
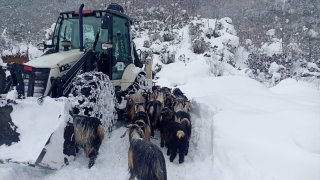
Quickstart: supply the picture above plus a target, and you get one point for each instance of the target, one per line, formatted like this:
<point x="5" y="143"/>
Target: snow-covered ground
<point x="241" y="130"/>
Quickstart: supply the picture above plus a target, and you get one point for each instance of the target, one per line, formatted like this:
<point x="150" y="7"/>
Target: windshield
<point x="69" y="31"/>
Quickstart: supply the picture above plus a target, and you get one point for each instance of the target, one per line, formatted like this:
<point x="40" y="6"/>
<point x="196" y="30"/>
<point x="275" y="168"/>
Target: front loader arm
<point x="61" y="85"/>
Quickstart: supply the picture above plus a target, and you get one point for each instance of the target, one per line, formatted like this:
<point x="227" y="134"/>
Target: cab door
<point x="121" y="46"/>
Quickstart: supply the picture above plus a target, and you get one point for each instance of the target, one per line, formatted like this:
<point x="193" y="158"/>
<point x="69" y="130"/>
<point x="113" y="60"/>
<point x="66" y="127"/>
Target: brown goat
<point x="141" y="118"/>
<point x="132" y="100"/>
<point x="154" y="109"/>
<point x="89" y="134"/>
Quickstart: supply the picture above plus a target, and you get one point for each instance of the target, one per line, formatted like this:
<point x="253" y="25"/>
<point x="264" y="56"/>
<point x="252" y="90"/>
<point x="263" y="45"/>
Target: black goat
<point x="184" y="118"/>
<point x="176" y="135"/>
<point x="167" y="116"/>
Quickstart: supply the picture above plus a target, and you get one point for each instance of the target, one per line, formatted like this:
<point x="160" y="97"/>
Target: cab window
<point x="121" y="46"/>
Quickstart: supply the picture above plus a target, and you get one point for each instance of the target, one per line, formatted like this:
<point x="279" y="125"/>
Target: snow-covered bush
<point x="168" y="36"/>
<point x="216" y="67"/>
<point x="195" y="30"/>
<point x="199" y="46"/>
<point x="156" y="69"/>
<point x="168" y="57"/>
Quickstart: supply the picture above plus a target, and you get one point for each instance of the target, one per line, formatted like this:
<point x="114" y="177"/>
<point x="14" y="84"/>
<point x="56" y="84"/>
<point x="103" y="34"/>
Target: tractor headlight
<point x="105" y="46"/>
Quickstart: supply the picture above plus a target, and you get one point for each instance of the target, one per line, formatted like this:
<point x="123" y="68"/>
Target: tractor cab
<point x="106" y="32"/>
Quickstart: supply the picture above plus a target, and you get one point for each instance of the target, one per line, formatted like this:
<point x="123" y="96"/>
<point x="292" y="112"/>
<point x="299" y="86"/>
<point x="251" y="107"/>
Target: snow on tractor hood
<point x="56" y="59"/>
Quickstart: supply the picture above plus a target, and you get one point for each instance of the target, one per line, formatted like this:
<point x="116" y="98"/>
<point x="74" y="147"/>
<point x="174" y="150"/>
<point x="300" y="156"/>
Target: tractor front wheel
<point x="94" y="96"/>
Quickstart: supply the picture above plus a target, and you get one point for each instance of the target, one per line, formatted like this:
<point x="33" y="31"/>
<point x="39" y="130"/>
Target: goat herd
<point x="163" y="110"/>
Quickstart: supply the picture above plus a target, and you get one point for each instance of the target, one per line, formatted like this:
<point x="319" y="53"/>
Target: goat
<point x="141" y="118"/>
<point x="167" y="116"/>
<point x="181" y="105"/>
<point x="175" y="136"/>
<point x="145" y="159"/>
<point x="177" y="92"/>
<point x="182" y="116"/>
<point x="158" y="94"/>
<point x="169" y="101"/>
<point x="166" y="89"/>
<point x="89" y="133"/>
<point x="132" y="100"/>
<point x="154" y="109"/>
<point x="161" y="96"/>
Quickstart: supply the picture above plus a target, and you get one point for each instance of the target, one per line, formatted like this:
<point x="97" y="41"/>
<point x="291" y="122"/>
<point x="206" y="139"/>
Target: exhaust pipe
<point x="81" y="26"/>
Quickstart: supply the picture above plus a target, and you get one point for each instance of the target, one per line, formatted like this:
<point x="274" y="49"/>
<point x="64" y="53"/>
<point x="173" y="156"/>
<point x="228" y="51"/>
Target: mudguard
<point x="33" y="134"/>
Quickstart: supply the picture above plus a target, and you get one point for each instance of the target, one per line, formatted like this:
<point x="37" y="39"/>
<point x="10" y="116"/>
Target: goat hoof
<point x="162" y="145"/>
<point x="171" y="160"/>
<point x="180" y="161"/>
<point x="91" y="161"/>
<point x="90" y="164"/>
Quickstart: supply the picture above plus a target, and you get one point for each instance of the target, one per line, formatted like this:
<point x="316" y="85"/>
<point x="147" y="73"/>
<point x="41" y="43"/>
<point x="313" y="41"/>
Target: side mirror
<point x="105" y="22"/>
<point x="42" y="46"/>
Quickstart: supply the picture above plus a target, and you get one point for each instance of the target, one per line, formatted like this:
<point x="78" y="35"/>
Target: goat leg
<point x="152" y="131"/>
<point x="168" y="150"/>
<point x="132" y="177"/>
<point x="173" y="153"/>
<point x="181" y="156"/>
<point x="93" y="156"/>
<point x="187" y="150"/>
<point x="162" y="140"/>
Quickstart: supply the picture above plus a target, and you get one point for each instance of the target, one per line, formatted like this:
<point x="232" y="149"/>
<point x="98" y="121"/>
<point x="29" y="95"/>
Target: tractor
<point x="90" y="65"/>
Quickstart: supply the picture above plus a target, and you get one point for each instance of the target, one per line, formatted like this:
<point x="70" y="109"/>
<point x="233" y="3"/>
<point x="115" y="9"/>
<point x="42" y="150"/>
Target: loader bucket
<point x="33" y="134"/>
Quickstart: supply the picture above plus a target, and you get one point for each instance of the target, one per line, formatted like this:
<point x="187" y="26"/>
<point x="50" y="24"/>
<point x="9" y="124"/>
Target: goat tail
<point x="100" y="132"/>
<point x="180" y="134"/>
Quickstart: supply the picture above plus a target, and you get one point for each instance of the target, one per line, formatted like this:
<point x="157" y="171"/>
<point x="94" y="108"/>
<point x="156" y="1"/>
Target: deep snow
<point x="241" y="130"/>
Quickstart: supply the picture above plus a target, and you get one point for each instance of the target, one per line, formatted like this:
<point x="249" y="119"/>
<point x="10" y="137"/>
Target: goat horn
<point x="128" y="126"/>
<point x="124" y="134"/>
